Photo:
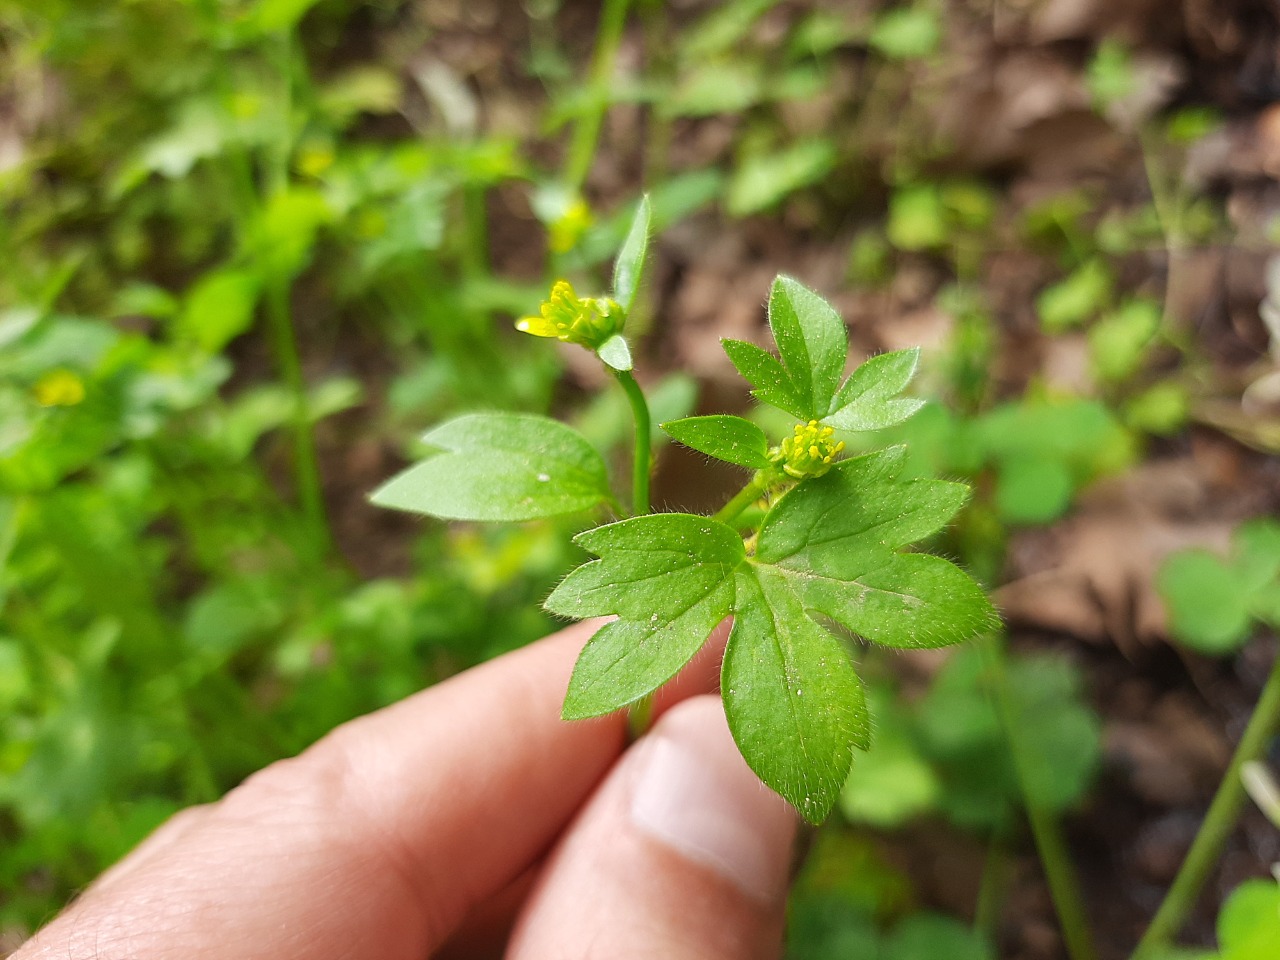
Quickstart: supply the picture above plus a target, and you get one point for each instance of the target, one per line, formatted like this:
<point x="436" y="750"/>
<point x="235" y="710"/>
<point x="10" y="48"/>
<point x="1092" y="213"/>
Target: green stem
<point x="744" y="498"/>
<point x="613" y="18"/>
<point x="640" y="717"/>
<point x="641" y="461"/>
<point x="306" y="463"/>
<point x="1218" y="822"/>
<point x="1064" y="889"/>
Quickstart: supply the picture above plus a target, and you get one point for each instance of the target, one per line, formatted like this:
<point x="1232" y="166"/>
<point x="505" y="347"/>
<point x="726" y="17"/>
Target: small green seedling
<point x="812" y="540"/>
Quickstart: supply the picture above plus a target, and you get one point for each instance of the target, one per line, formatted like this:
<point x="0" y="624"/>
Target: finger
<point x="682" y="853"/>
<point x="374" y="842"/>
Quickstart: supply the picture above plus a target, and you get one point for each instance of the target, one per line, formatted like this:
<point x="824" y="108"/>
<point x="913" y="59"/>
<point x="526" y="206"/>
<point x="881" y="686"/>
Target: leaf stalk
<point x="743" y="499"/>
<point x="641" y="462"/>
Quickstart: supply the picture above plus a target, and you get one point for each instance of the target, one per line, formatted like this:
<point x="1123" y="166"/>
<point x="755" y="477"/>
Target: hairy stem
<point x="1218" y="822"/>
<point x="613" y="18"/>
<point x="641" y="461"/>
<point x="743" y="499"/>
<point x="1064" y="888"/>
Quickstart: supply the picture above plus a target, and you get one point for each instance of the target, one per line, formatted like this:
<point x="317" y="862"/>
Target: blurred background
<point x="251" y="249"/>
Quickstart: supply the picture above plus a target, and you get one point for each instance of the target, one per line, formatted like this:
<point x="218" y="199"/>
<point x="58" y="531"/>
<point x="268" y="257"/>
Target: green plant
<point x="810" y="539"/>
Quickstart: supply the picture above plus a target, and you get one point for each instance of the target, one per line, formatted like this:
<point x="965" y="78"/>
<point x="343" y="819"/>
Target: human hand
<point x="470" y="811"/>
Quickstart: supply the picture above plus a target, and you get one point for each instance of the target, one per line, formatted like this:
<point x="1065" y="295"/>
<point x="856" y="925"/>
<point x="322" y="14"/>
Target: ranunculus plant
<point x="814" y="545"/>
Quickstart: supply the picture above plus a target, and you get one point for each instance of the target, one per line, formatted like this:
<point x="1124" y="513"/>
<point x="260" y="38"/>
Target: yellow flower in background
<point x="809" y="452"/>
<point x="567" y="229"/>
<point x="566" y="316"/>
<point x="59" y="388"/>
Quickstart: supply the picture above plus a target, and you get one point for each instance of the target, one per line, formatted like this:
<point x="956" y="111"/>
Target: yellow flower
<point x="809" y="452"/>
<point x="59" y="388"/>
<point x="569" y="227"/>
<point x="566" y="316"/>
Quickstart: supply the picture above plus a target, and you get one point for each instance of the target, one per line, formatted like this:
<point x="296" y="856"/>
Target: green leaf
<point x="906" y="33"/>
<point x="1075" y="299"/>
<point x="628" y="268"/>
<point x="912" y="600"/>
<point x="1033" y="490"/>
<point x="724" y="437"/>
<point x="769" y="378"/>
<point x="275" y="15"/>
<point x="219" y="308"/>
<point x="794" y="703"/>
<point x="1207" y="601"/>
<point x="926" y="936"/>
<point x="859" y="509"/>
<point x="869" y="398"/>
<point x="812" y="343"/>
<point x="669" y="577"/>
<point x="918" y="218"/>
<point x="1256" y="546"/>
<point x="893" y="783"/>
<point x="835" y="537"/>
<point x="1118" y="342"/>
<point x="1249" y="924"/>
<point x="615" y="353"/>
<point x="1058" y="735"/>
<point x="764" y="180"/>
<point x="501" y="466"/>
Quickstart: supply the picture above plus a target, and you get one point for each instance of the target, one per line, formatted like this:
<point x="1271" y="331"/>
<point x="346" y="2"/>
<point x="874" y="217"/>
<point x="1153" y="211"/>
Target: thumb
<point x="682" y="853"/>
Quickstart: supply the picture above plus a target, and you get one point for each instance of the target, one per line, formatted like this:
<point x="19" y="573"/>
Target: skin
<point x="465" y="821"/>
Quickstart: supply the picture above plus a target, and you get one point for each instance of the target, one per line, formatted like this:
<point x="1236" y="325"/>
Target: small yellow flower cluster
<point x="809" y="452"/>
<point x="568" y="317"/>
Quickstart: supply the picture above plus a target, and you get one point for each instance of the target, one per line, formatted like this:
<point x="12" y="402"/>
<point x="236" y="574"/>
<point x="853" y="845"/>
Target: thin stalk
<point x="280" y="315"/>
<point x="641" y="461"/>
<point x="640" y="717"/>
<point x="306" y="463"/>
<point x="743" y="499"/>
<point x="1218" y="822"/>
<point x="1064" y="888"/>
<point x="582" y="147"/>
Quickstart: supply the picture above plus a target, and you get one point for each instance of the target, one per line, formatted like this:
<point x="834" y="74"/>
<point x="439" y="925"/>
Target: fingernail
<point x="694" y="794"/>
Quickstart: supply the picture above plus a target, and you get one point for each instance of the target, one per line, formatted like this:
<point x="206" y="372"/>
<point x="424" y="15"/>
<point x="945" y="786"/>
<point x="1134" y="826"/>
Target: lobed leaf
<point x="501" y="466"/>
<point x="669" y="578"/>
<point x="869" y="398"/>
<point x="812" y="343"/>
<point x="724" y="437"/>
<point x="910" y="600"/>
<point x="794" y="703"/>
<point x="859" y="508"/>
<point x="628" y="268"/>
<point x="769" y="378"/>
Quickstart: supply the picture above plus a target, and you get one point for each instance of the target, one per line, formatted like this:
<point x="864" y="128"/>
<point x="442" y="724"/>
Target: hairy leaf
<point x="795" y="705"/>
<point x="769" y="378"/>
<point x="669" y="578"/>
<point x="859" y="508"/>
<point x="812" y="343"/>
<point x="500" y="466"/>
<point x="628" y="268"/>
<point x="615" y="352"/>
<point x="724" y="437"/>
<point x="869" y="398"/>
